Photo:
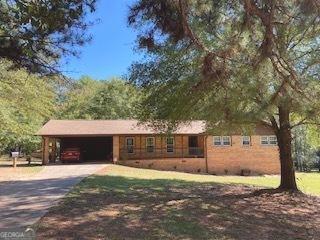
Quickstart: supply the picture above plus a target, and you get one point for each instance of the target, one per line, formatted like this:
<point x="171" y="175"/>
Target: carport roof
<point x="109" y="127"/>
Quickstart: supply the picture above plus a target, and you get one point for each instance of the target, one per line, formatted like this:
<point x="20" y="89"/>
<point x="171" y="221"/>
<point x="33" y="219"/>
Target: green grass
<point x="307" y="182"/>
<point x="129" y="203"/>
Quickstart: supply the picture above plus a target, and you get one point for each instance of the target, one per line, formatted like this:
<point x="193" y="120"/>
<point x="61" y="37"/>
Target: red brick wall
<point x="220" y="159"/>
<point x="232" y="159"/>
<point x="195" y="165"/>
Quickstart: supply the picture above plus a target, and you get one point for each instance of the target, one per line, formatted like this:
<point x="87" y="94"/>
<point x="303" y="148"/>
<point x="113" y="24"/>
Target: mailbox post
<point x="15" y="156"/>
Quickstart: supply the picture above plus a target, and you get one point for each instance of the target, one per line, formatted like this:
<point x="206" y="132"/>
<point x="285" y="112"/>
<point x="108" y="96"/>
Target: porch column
<point x="140" y="150"/>
<point x="182" y="146"/>
<point x="54" y="150"/>
<point x="116" y="148"/>
<point x="45" y="150"/>
<point x="205" y="151"/>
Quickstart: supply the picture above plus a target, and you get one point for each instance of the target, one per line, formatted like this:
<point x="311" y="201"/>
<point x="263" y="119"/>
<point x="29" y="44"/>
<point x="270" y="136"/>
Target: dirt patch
<point x="109" y="207"/>
<point x="23" y="170"/>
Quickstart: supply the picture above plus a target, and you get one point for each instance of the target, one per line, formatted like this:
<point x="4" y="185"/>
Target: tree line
<point x="27" y="101"/>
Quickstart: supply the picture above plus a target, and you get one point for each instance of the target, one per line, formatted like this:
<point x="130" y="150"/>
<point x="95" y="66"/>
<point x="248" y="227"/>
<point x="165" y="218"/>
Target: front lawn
<point x="128" y="203"/>
<point x="308" y="182"/>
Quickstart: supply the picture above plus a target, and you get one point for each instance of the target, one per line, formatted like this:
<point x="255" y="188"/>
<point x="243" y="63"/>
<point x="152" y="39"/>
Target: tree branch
<point x="188" y="31"/>
<point x="274" y="124"/>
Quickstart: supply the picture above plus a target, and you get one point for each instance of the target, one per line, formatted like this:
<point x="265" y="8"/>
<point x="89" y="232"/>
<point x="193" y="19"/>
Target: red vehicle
<point x="71" y="154"/>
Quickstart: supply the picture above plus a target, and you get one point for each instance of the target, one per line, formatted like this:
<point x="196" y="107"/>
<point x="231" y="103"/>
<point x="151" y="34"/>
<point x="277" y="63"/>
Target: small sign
<point x="17" y="233"/>
<point x="15" y="154"/>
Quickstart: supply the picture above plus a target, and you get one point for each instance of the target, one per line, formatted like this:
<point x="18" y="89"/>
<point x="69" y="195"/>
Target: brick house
<point x="188" y="149"/>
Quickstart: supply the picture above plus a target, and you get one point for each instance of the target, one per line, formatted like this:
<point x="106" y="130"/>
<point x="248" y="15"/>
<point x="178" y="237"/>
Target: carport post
<point x="115" y="148"/>
<point x="45" y="150"/>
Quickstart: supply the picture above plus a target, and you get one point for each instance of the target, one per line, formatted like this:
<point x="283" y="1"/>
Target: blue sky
<point x="110" y="52"/>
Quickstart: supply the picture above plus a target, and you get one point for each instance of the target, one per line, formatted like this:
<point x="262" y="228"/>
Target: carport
<point x="98" y="140"/>
<point x="91" y="148"/>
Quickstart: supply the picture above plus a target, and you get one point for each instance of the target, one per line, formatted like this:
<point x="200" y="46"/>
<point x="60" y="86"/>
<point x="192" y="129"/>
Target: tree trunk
<point x="288" y="180"/>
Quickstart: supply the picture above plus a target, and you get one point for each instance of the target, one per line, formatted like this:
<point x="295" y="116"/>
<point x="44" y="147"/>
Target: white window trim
<point x="214" y="142"/>
<point x="130" y="145"/>
<point x="273" y="144"/>
<point x="246" y="145"/>
<point x="221" y="141"/>
<point x="154" y="144"/>
<point x="268" y="140"/>
<point x="227" y="145"/>
<point x="170" y="144"/>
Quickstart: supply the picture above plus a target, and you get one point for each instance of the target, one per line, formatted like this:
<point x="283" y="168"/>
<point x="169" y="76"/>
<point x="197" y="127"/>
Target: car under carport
<point x="91" y="148"/>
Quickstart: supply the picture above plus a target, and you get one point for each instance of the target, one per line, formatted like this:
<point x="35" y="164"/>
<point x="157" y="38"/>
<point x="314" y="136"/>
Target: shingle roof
<point x="109" y="127"/>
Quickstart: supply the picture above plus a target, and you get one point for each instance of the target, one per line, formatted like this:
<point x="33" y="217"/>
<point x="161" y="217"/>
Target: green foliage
<point x="231" y="63"/>
<point x="35" y="34"/>
<point x="223" y="64"/>
<point x="313" y="137"/>
<point x="26" y="101"/>
<point x="305" y="147"/>
<point x="92" y="99"/>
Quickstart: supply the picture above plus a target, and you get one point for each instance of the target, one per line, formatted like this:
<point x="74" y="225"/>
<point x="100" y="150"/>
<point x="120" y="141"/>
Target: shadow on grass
<point x="114" y="207"/>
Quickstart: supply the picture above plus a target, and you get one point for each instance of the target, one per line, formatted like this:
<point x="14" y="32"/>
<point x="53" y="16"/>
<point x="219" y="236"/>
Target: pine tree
<point x="232" y="63"/>
<point x="36" y="34"/>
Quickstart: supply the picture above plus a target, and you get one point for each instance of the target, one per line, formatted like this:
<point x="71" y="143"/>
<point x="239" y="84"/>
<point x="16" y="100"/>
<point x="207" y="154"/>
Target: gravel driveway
<point x="23" y="202"/>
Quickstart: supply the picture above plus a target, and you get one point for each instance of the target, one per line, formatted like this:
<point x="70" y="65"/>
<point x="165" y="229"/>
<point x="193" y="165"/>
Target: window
<point x="264" y="140"/>
<point x="130" y="144"/>
<point x="217" y="140"/>
<point x="150" y="144"/>
<point x="273" y="140"/>
<point x="170" y="144"/>
<point x="226" y="140"/>
<point x="221" y="140"/>
<point x="246" y="140"/>
<point x="269" y="140"/>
